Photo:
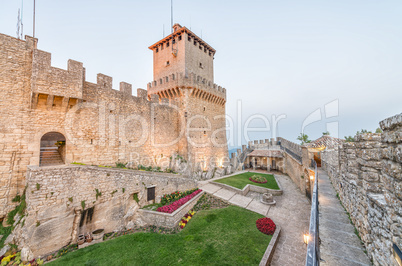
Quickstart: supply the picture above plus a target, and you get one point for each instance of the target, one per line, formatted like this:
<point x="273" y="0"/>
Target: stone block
<point x="370" y="176"/>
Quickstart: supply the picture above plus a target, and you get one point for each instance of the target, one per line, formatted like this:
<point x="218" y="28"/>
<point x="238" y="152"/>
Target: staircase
<point x="50" y="156"/>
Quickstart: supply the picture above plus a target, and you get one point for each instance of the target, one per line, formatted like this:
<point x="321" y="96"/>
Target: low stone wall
<point x="169" y="220"/>
<point x="367" y="176"/>
<point x="65" y="201"/>
<point x="269" y="252"/>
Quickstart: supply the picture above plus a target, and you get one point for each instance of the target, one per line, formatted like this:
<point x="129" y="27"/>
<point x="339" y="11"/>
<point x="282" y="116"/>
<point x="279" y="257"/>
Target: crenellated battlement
<point x="168" y="87"/>
<point x="50" y="80"/>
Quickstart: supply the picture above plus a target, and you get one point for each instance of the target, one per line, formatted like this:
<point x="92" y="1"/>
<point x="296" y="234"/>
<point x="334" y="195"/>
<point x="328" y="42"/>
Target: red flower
<point x="178" y="203"/>
<point x="266" y="226"/>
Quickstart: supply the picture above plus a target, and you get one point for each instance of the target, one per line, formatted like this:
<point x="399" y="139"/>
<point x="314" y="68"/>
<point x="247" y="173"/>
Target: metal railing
<point x="313" y="246"/>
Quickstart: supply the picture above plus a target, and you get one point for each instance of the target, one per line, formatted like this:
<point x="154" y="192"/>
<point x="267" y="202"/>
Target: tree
<point x="378" y="130"/>
<point x="326" y="133"/>
<point x="303" y="138"/>
<point x="363" y="131"/>
<point x="349" y="139"/>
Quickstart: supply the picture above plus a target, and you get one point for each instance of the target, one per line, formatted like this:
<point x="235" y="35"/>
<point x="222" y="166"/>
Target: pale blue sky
<point x="278" y="57"/>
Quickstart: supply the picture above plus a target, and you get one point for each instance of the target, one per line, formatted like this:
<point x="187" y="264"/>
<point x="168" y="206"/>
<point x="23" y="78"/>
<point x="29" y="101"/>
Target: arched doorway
<point x="52" y="149"/>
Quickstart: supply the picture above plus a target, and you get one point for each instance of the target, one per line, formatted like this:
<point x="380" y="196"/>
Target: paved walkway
<point x="291" y="213"/>
<point x="339" y="244"/>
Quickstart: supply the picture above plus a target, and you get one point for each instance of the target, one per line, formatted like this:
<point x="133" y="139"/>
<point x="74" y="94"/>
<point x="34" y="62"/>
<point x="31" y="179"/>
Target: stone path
<point x="339" y="243"/>
<point x="291" y="213"/>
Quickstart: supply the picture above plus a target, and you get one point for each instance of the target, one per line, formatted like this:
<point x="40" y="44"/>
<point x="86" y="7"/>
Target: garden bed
<point x="240" y="183"/>
<point x="168" y="220"/>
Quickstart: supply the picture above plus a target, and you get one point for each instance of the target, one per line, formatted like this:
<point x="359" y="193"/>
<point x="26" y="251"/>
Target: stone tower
<point x="183" y="73"/>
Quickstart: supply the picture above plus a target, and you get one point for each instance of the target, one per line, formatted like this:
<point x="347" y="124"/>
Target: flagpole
<point x="34" y="19"/>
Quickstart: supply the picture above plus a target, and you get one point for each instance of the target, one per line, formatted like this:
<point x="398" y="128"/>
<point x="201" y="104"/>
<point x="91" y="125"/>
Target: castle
<point x="60" y="135"/>
<point x="51" y="116"/>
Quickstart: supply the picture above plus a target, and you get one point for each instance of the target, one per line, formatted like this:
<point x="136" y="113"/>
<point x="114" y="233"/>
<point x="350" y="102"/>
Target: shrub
<point x="266" y="226"/>
<point x="120" y="165"/>
<point x="258" y="179"/>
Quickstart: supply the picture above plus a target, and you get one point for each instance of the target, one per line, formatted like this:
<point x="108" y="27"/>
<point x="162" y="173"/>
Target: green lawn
<point x="225" y="236"/>
<point x="241" y="180"/>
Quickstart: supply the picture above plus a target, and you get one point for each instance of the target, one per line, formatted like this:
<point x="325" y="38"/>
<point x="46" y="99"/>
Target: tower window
<point x="167" y="63"/>
<point x="167" y="44"/>
<point x="161" y="46"/>
<point x="160" y="81"/>
<point x="195" y="42"/>
<point x="201" y="65"/>
<point x="179" y="37"/>
<point x="204" y="108"/>
<point x="189" y="38"/>
<point x="172" y="76"/>
<point x="174" y="41"/>
<point x="167" y="79"/>
<point x="205" y="50"/>
<point x="157" y="50"/>
<point x="200" y="47"/>
<point x="210" y="53"/>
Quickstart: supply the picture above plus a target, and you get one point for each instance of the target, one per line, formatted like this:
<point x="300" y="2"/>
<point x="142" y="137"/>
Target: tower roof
<point x="178" y="29"/>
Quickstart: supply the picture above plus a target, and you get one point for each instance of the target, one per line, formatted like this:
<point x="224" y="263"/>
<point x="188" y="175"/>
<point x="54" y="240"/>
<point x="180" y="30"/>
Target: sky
<point x="312" y="66"/>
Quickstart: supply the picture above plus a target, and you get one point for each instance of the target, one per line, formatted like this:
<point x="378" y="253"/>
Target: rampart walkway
<point x="339" y="244"/>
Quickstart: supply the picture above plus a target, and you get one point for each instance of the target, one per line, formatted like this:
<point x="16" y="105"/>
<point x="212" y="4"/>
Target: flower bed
<point x="258" y="179"/>
<point x="178" y="203"/>
<point x="187" y="217"/>
<point x="169" y="198"/>
<point x="15" y="259"/>
<point x="266" y="226"/>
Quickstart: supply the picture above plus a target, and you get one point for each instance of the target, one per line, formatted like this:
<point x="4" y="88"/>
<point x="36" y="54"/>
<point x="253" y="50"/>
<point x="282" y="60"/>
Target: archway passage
<point x="52" y="149"/>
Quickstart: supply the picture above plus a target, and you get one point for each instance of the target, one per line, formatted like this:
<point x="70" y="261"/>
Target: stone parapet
<point x="367" y="176"/>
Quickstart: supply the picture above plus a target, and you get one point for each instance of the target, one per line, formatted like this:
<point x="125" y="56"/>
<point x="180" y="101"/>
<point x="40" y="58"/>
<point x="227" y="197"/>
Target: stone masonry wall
<point x="57" y="198"/>
<point x="367" y="175"/>
<point x="101" y="125"/>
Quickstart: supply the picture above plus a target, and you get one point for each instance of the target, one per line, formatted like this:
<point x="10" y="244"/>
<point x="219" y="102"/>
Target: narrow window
<point x="167" y="44"/>
<point x="204" y="108"/>
<point x="195" y="42"/>
<point x="162" y="46"/>
<point x="167" y="63"/>
<point x="157" y="50"/>
<point x="167" y="79"/>
<point x="172" y="76"/>
<point x="179" y="37"/>
<point x="200" y="65"/>
<point x="210" y="53"/>
<point x="200" y="47"/>
<point x="174" y="41"/>
<point x="189" y="38"/>
<point x="205" y="50"/>
<point x="160" y="81"/>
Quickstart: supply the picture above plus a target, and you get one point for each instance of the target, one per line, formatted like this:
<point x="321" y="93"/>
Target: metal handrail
<point x="313" y="246"/>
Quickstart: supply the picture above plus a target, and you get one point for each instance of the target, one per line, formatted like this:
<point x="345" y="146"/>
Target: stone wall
<point x="291" y="147"/>
<point x="59" y="200"/>
<point x="367" y="175"/>
<point x="101" y="125"/>
<point x="294" y="169"/>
